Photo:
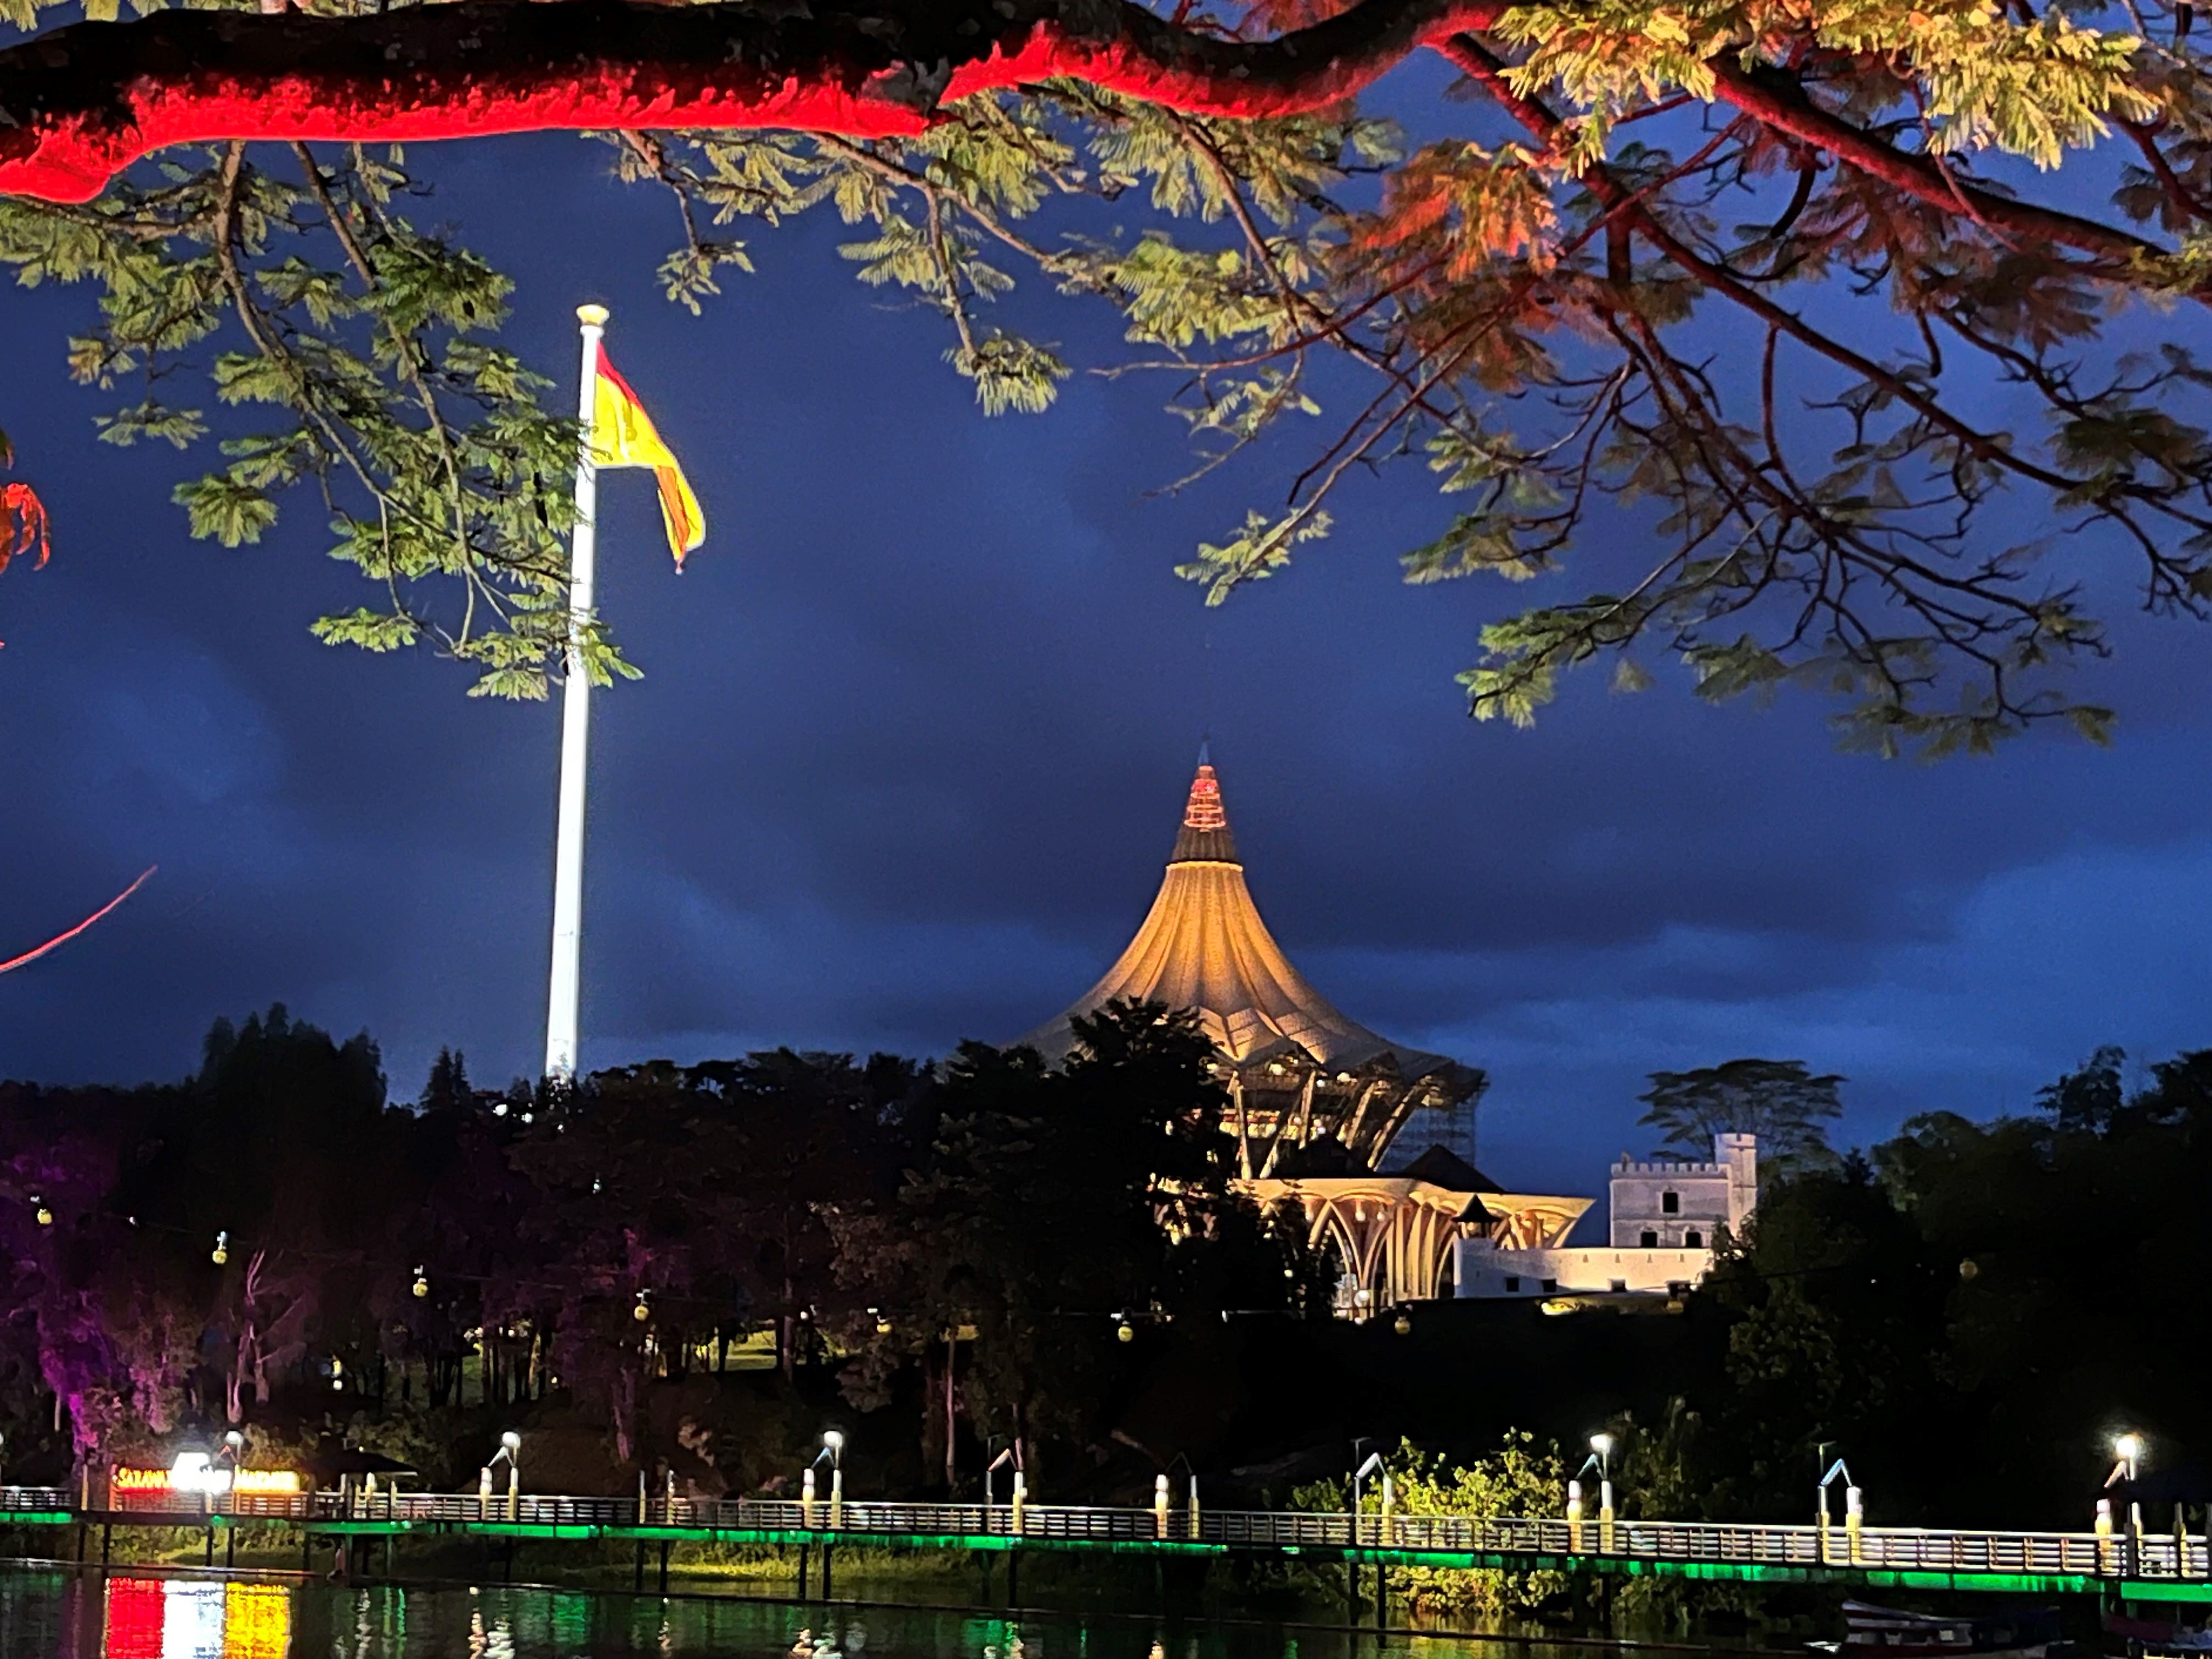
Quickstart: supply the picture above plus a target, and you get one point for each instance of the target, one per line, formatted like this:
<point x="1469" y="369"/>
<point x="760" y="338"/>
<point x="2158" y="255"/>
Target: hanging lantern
<point x="1403" y="1324"/>
<point x="221" y="1253"/>
<point x="44" y="1216"/>
<point x="643" y="1312"/>
<point x="421" y="1285"/>
<point x="1124" y="1331"/>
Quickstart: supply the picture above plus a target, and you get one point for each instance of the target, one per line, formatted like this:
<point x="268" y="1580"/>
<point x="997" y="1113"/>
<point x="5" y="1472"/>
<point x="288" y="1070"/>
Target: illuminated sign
<point x="194" y="1475"/>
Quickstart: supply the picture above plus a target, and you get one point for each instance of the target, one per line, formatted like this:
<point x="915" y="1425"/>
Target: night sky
<point x="914" y="737"/>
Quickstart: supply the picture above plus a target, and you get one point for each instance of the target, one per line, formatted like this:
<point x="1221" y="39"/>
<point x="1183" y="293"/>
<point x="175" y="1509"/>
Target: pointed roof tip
<point x="1205" y="748"/>
<point x="1203" y="810"/>
<point x="1204" y="836"/>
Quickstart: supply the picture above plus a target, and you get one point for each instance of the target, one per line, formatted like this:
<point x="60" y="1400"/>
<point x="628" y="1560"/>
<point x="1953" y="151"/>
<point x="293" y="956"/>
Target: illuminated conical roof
<point x="1205" y="947"/>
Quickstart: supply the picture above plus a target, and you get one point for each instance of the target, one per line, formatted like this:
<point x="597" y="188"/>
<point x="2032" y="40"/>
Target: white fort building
<point x="1665" y="1216"/>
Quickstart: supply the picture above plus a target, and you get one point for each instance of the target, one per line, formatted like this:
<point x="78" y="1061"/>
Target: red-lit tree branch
<point x="79" y="104"/>
<point x="62" y="939"/>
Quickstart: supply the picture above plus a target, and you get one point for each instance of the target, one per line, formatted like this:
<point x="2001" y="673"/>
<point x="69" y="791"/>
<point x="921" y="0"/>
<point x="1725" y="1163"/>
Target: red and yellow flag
<point x="622" y="434"/>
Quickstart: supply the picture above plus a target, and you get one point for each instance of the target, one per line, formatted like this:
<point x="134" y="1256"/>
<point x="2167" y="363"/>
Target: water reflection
<point x="133" y="1616"/>
<point x="189" y="1618"/>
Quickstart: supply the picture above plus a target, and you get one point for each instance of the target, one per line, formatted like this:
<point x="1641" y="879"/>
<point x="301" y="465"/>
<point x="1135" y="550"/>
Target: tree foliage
<point x="1781" y="320"/>
<point x="1050" y="1210"/>
<point x="1938" y="1292"/>
<point x="1520" y="1478"/>
<point x="1778" y="1100"/>
<point x="23" y="525"/>
<point x="274" y="1243"/>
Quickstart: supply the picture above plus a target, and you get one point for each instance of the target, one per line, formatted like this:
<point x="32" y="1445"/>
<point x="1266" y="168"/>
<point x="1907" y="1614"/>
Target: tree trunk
<point x="951" y="1462"/>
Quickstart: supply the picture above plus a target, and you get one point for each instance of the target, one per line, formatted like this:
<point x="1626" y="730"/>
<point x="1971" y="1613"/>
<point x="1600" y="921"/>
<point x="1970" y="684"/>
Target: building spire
<point x="1205" y="834"/>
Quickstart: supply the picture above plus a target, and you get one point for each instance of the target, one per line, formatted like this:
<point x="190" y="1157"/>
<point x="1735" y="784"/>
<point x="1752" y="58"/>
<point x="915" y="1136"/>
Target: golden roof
<point x="1203" y="947"/>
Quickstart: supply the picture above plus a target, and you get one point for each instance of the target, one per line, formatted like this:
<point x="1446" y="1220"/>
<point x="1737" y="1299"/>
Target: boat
<point x="1876" y="1633"/>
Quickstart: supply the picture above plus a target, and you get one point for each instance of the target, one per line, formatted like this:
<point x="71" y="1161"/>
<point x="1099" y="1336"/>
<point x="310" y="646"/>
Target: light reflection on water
<point x="124" y="1616"/>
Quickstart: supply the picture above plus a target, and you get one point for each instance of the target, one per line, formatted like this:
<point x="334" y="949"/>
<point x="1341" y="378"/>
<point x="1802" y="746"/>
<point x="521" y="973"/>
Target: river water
<point x="121" y="1615"/>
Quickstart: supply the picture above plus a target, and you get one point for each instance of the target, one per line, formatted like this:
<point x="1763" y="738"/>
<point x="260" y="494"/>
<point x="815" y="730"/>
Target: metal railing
<point x="2078" y="1555"/>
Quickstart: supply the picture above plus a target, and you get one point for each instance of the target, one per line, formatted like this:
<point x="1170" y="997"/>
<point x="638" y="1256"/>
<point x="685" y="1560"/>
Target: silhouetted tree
<point x="1778" y="1100"/>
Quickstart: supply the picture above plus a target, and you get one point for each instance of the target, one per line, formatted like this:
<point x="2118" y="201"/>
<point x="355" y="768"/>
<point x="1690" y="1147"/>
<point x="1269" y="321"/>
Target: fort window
<point x="1670" y="1203"/>
<point x="1693" y="1240"/>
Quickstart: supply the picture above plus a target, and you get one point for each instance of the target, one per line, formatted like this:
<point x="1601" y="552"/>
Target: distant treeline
<point x="273" y="1242"/>
<point x="972" y="1255"/>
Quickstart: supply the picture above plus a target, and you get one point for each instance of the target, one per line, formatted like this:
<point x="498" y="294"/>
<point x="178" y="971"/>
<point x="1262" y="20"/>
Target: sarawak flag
<point x="622" y="434"/>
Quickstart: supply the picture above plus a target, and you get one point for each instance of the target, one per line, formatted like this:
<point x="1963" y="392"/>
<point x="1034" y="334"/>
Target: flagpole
<point x="564" y="992"/>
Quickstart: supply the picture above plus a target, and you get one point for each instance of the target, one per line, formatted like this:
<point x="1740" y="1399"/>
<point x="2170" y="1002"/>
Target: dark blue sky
<point x="914" y="735"/>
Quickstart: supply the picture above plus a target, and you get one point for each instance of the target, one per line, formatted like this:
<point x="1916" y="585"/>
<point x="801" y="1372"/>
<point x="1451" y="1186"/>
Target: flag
<point x="622" y="434"/>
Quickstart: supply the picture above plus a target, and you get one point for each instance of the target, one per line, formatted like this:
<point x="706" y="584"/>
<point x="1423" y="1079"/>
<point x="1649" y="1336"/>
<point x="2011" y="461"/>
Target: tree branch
<point x="80" y="103"/>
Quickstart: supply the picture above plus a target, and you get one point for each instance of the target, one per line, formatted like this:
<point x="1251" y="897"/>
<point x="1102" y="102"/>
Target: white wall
<point x="1480" y="1272"/>
<point x="1707" y="1197"/>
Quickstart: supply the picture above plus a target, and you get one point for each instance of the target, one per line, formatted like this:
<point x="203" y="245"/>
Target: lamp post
<point x="833" y="1443"/>
<point x="1006" y="1457"/>
<point x="1602" y="1450"/>
<point x="2128" y="1449"/>
<point x="1854" y="1510"/>
<point x="510" y="1448"/>
<point x="1373" y="1464"/>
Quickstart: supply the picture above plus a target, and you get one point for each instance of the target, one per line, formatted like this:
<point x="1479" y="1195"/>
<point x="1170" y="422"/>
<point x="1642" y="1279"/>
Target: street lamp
<point x="1602" y="1455"/>
<point x="1373" y="1464"/>
<point x="833" y="1448"/>
<point x="510" y="1448"/>
<point x="2128" y="1449"/>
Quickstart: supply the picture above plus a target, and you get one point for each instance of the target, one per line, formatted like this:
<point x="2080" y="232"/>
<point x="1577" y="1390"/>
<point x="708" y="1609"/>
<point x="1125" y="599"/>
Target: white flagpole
<point x="565" y="991"/>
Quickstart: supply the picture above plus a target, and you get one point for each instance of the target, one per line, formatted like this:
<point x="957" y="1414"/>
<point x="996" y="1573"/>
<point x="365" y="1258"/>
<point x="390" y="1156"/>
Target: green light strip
<point x="1766" y="1573"/>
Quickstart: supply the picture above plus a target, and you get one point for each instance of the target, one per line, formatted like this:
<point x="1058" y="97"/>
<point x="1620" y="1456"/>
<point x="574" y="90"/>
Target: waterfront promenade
<point x="2151" y="1566"/>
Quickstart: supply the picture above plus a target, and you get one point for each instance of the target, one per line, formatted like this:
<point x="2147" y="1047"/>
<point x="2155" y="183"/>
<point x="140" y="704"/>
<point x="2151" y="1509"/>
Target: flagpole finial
<point x="592" y="316"/>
